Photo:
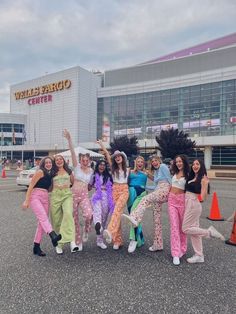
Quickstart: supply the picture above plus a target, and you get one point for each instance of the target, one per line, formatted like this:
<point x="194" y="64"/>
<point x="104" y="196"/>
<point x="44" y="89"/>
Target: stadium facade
<point x="193" y="90"/>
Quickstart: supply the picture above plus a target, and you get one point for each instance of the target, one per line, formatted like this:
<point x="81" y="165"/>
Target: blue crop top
<point x="162" y="174"/>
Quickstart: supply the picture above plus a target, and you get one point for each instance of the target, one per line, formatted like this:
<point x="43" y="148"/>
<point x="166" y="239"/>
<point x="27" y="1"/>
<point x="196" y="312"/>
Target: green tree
<point x="173" y="142"/>
<point x="129" y="145"/>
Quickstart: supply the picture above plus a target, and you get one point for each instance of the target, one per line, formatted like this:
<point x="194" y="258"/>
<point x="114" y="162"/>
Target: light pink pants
<point x="193" y="210"/>
<point x="178" y="239"/>
<point x="39" y="202"/>
<point x="81" y="199"/>
<point x="154" y="199"/>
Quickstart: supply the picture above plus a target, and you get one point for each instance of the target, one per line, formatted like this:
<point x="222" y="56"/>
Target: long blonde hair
<point x="151" y="158"/>
<point x="135" y="163"/>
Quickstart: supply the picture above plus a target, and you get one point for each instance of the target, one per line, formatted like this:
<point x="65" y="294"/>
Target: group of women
<point x="116" y="186"/>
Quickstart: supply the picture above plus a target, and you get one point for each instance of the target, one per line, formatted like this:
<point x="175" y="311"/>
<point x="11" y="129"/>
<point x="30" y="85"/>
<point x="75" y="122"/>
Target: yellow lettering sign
<point x="45" y="89"/>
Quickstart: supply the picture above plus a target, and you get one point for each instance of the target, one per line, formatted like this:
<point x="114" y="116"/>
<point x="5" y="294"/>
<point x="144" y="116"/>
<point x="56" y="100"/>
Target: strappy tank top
<point x="61" y="180"/>
<point x="178" y="183"/>
<point x="80" y="175"/>
<point x="44" y="182"/>
<point x="193" y="187"/>
<point x="121" y="179"/>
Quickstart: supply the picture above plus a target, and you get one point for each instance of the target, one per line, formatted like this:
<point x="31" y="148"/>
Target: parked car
<point x="25" y="176"/>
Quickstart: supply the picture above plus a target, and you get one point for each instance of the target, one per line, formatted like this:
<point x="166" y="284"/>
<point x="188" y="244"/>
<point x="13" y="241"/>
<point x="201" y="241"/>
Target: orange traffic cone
<point x="3" y="173"/>
<point x="215" y="210"/>
<point x="232" y="239"/>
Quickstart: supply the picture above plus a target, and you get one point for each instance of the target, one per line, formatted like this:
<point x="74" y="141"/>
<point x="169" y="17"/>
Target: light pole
<point x="55" y="147"/>
<point x="145" y="149"/>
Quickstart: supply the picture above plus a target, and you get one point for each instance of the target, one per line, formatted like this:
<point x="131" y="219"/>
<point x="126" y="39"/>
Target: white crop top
<point x="178" y="183"/>
<point x="122" y="178"/>
<point x="80" y="175"/>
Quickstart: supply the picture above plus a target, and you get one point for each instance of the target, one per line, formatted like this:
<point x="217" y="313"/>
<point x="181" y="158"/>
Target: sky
<point x="45" y="36"/>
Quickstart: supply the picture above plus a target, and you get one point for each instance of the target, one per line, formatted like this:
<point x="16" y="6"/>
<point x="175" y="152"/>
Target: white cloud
<point x="46" y="36"/>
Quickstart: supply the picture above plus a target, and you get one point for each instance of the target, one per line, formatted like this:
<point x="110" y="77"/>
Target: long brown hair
<point x="115" y="168"/>
<point x="42" y="166"/>
<point x="65" y="165"/>
<point x="186" y="167"/>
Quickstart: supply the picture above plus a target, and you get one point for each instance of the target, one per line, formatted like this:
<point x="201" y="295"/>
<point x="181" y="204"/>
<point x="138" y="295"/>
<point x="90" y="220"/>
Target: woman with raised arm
<point x="120" y="191"/>
<point x="137" y="183"/>
<point x="38" y="199"/>
<point x="176" y="207"/>
<point x="197" y="183"/>
<point x="61" y="205"/>
<point x="82" y="177"/>
<point x="102" y="201"/>
<point x="162" y="178"/>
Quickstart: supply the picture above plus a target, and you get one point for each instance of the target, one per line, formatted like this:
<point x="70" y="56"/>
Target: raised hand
<point x="100" y="143"/>
<point x="66" y="134"/>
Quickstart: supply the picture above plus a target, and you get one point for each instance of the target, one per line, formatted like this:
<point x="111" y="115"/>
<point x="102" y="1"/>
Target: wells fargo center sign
<point x="42" y="94"/>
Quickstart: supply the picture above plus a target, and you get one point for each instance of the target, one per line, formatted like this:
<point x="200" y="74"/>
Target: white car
<point x="25" y="176"/>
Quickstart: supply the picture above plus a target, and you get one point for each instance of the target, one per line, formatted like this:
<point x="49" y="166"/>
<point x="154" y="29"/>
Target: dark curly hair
<point x="186" y="168"/>
<point x="106" y="174"/>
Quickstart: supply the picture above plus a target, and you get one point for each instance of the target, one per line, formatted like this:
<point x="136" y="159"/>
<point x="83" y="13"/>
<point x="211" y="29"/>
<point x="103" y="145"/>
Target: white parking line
<point x="15" y="190"/>
<point x="10" y="184"/>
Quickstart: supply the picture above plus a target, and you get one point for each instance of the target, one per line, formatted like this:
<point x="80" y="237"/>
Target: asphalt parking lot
<point x="98" y="281"/>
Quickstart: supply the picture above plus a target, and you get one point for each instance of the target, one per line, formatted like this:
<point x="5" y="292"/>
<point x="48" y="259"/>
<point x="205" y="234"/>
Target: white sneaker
<point x="73" y="247"/>
<point x="130" y="219"/>
<point x="132" y="246"/>
<point x="153" y="249"/>
<point x="176" y="260"/>
<point x="80" y="247"/>
<point x="116" y="247"/>
<point x="59" y="250"/>
<point x="107" y="236"/>
<point x="102" y="245"/>
<point x="215" y="234"/>
<point x="195" y="259"/>
<point x="85" y="236"/>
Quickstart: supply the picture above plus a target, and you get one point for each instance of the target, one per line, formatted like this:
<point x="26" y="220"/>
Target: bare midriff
<point x="175" y="190"/>
<point x="79" y="184"/>
<point x="61" y="187"/>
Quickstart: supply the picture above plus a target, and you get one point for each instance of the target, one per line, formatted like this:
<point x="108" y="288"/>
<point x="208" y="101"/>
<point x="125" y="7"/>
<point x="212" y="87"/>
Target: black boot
<point x="98" y="228"/>
<point x="37" y="250"/>
<point x="55" y="238"/>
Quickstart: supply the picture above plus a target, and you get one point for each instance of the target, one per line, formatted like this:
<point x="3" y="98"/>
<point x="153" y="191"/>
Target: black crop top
<point x="44" y="182"/>
<point x="193" y="187"/>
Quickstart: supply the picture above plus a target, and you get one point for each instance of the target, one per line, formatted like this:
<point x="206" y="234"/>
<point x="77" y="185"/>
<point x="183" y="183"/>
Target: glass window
<point x="228" y="86"/>
<point x="224" y="155"/>
<point x="193" y="104"/>
<point x="7" y="127"/>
